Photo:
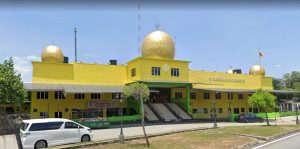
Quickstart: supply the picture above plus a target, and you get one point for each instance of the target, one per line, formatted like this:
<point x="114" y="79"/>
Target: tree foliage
<point x="11" y="86"/>
<point x="277" y="84"/>
<point x="138" y="91"/>
<point x="291" y="79"/>
<point x="263" y="100"/>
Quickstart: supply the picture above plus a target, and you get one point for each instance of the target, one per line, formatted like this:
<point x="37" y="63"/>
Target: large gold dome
<point x="158" y="44"/>
<point x="257" y="70"/>
<point x="52" y="54"/>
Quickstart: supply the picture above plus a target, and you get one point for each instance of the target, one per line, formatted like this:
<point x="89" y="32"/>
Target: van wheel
<point x="40" y="144"/>
<point x="85" y="138"/>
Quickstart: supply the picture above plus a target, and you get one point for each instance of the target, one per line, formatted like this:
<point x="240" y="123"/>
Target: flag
<point x="261" y="54"/>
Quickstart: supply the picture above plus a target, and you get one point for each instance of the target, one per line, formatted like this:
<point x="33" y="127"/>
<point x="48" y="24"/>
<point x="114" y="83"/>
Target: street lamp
<point x="214" y="114"/>
<point x="121" y="136"/>
<point x="297" y="119"/>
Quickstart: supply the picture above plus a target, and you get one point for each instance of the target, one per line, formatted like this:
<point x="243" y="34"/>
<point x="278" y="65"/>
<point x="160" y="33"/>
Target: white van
<point x="41" y="133"/>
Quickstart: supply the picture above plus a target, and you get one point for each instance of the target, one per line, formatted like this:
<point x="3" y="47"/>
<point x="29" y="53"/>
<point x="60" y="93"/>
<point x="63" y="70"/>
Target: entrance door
<point x="58" y="114"/>
<point x="163" y="95"/>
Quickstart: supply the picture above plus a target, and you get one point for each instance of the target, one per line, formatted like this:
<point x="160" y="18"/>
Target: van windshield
<point x="24" y="126"/>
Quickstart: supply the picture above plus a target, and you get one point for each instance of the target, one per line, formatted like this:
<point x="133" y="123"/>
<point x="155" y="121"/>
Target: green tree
<point x="277" y="84"/>
<point x="291" y="79"/>
<point x="11" y="86"/>
<point x="139" y="91"/>
<point x="263" y="100"/>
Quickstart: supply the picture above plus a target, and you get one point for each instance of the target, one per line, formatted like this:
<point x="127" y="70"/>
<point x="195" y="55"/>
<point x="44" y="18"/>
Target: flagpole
<point x="259" y="57"/>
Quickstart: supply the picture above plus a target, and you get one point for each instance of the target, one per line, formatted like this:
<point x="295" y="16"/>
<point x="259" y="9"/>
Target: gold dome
<point x="257" y="70"/>
<point x="52" y="54"/>
<point x="158" y="44"/>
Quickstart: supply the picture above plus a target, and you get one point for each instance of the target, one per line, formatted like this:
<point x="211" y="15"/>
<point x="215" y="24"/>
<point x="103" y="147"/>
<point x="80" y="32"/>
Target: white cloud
<point x="23" y="66"/>
<point x="277" y="65"/>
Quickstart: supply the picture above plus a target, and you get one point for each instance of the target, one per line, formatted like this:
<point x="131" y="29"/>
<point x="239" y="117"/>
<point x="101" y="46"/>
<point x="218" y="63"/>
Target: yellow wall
<point x="52" y="105"/>
<point x="78" y="73"/>
<point x="144" y="70"/>
<point x="201" y="103"/>
<point x="23" y="108"/>
<point x="204" y="79"/>
<point x="81" y="73"/>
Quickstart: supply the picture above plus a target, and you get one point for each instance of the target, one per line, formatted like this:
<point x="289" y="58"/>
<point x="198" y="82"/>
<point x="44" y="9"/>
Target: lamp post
<point x="297" y="119"/>
<point x="214" y="113"/>
<point x="121" y="136"/>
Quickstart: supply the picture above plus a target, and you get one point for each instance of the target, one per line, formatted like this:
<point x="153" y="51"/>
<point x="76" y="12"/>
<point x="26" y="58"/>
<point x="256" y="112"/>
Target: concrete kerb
<point x="111" y="141"/>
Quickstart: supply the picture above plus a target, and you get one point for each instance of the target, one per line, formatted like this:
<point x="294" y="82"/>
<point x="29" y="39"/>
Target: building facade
<point x="72" y="90"/>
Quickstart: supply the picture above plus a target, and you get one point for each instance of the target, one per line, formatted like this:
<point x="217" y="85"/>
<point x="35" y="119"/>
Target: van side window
<point x="70" y="125"/>
<point x="45" y="126"/>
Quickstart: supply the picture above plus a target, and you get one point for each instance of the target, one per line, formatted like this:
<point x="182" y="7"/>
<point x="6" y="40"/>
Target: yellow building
<point x="72" y="90"/>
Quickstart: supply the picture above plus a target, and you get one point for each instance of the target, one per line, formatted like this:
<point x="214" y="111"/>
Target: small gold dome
<point x="158" y="44"/>
<point x="257" y="70"/>
<point x="52" y="54"/>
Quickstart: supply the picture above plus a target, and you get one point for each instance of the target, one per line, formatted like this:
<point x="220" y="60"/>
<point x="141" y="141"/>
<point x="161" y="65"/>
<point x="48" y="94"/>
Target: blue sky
<point x="213" y="39"/>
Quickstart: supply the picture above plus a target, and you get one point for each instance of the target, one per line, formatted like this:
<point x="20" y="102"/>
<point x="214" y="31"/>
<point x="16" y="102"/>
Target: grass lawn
<point x="264" y="131"/>
<point x="204" y="139"/>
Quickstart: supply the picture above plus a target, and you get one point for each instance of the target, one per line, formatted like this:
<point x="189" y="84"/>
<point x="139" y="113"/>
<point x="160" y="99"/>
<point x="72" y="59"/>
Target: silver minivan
<point x="41" y="133"/>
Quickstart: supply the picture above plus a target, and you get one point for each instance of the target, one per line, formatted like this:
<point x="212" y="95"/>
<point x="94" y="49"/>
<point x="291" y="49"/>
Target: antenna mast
<point x="75" y="31"/>
<point x="139" y="27"/>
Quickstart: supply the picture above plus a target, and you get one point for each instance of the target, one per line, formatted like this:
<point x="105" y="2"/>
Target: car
<point x="248" y="118"/>
<point x="42" y="133"/>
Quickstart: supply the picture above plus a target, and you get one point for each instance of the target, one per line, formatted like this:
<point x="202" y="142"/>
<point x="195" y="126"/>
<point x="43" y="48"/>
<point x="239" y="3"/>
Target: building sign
<point x="102" y="104"/>
<point x="227" y="80"/>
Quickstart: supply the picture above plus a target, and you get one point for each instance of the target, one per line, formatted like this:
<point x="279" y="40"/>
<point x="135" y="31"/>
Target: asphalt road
<point x="288" y="142"/>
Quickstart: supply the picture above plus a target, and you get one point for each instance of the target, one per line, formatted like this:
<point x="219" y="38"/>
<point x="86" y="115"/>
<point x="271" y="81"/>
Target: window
<point x="43" y="115"/>
<point x="218" y="95"/>
<point x="114" y="112"/>
<point x="117" y="95"/>
<point x="175" y="72"/>
<point x="242" y="110"/>
<point x="230" y="95"/>
<point x="178" y="95"/>
<point x="59" y="95"/>
<point x="206" y="95"/>
<point x="95" y="96"/>
<point x="193" y="95"/>
<point x="205" y="111"/>
<point x="250" y="109"/>
<point x="240" y="96"/>
<point x="156" y="71"/>
<point x="71" y="125"/>
<point x="220" y="110"/>
<point x="79" y="96"/>
<point x="45" y="126"/>
<point x="255" y="110"/>
<point x="236" y="110"/>
<point x="133" y="72"/>
<point x="194" y="111"/>
<point x="66" y="110"/>
<point x="229" y="110"/>
<point x="42" y="95"/>
<point x="34" y="110"/>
